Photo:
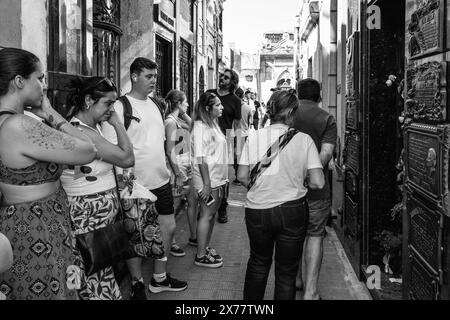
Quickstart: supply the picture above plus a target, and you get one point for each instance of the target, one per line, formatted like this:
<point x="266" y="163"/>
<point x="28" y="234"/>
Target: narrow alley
<point x="337" y="278"/>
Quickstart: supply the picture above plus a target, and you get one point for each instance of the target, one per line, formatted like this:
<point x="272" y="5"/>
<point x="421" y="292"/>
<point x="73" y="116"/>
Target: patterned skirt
<point x="39" y="232"/>
<point x="88" y="213"/>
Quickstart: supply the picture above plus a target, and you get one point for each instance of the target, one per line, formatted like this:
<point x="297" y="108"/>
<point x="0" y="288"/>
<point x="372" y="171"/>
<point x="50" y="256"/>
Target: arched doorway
<point x="284" y="78"/>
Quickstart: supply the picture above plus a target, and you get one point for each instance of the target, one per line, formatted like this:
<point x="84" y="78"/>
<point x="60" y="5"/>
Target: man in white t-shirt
<point x="146" y="132"/>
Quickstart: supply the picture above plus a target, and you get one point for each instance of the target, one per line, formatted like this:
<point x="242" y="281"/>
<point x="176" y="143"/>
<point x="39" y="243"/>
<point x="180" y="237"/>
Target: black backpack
<point x="128" y="111"/>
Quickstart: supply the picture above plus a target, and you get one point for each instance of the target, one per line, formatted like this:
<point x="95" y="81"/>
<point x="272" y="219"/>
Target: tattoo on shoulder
<point x="43" y="136"/>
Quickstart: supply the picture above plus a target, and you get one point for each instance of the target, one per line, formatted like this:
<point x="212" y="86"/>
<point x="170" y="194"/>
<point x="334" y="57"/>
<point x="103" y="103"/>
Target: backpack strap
<point x="127" y="112"/>
<point x="161" y="108"/>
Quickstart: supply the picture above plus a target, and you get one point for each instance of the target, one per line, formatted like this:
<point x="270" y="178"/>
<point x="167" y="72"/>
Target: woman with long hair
<point x="91" y="188"/>
<point x="34" y="213"/>
<point x="177" y="124"/>
<point x="275" y="163"/>
<point x="210" y="173"/>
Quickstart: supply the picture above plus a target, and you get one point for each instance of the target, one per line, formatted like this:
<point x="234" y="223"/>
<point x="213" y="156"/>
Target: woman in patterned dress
<point x="91" y="189"/>
<point x="34" y="215"/>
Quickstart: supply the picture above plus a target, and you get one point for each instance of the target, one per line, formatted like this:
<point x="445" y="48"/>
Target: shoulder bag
<point x="107" y="246"/>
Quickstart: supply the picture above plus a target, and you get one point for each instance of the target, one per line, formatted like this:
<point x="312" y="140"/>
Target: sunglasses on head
<point x="108" y="81"/>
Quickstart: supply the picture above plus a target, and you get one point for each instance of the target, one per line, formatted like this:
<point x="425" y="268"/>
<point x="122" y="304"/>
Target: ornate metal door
<point x="107" y="34"/>
<point x="186" y="70"/>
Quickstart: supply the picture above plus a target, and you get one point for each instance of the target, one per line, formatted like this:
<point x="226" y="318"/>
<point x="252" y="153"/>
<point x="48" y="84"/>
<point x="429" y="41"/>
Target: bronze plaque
<point x="351" y="184"/>
<point x="352" y="66"/>
<point x="352" y="115"/>
<point x="427" y="92"/>
<point x="351" y="152"/>
<point x="424" y="284"/>
<point x="425" y="232"/>
<point x="424" y="27"/>
<point x="426" y="162"/>
<point x="351" y="216"/>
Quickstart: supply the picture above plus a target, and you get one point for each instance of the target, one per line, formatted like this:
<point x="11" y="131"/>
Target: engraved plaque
<point x="427" y="92"/>
<point x="424" y="27"/>
<point x="425" y="233"/>
<point x="351" y="216"/>
<point x="351" y="152"/>
<point x="426" y="162"/>
<point x="351" y="183"/>
<point x="424" y="285"/>
<point x="352" y="66"/>
<point x="352" y="115"/>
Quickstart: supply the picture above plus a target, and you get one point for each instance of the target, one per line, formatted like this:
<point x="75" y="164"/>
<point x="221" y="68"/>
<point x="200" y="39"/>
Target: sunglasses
<point x="108" y="81"/>
<point x="225" y="76"/>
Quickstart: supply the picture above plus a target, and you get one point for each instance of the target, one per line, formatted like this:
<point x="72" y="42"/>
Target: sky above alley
<point x="245" y="21"/>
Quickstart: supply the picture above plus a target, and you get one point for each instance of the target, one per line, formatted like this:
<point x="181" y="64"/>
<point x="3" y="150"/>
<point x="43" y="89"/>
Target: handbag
<point x="106" y="246"/>
<point x="141" y="219"/>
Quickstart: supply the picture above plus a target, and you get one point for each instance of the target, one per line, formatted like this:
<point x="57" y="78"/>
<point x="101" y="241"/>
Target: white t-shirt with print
<point x="283" y="180"/>
<point x="148" y="137"/>
<point x="76" y="183"/>
<point x="209" y="143"/>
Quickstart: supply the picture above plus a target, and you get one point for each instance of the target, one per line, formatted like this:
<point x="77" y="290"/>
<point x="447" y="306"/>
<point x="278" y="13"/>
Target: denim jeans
<point x="285" y="227"/>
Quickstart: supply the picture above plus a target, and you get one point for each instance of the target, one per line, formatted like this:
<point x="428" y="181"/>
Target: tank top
<point x="39" y="172"/>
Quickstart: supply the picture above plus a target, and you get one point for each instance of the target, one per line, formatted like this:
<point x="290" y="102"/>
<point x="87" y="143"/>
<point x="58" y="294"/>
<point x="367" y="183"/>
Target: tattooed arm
<point x="57" y="121"/>
<point x="36" y="140"/>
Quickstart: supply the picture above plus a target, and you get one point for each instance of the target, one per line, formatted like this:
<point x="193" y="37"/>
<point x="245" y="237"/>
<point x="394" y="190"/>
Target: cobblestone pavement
<point x="337" y="280"/>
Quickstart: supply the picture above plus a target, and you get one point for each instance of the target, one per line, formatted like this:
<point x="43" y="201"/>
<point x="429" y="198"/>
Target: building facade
<point x="102" y="37"/>
<point x="383" y="68"/>
<point x="276" y="62"/>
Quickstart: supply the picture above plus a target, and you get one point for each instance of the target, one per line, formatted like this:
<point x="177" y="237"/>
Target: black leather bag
<point x="105" y="247"/>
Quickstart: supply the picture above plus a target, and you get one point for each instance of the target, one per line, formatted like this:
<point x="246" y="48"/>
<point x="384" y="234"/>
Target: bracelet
<point x="60" y="124"/>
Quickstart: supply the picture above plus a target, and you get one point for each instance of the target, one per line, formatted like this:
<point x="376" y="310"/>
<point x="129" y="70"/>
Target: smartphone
<point x="210" y="201"/>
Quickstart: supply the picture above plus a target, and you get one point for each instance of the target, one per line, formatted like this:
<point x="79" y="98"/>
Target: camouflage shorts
<point x="141" y="222"/>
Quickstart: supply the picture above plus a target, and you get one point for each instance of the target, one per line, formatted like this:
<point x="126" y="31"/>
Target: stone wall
<point x="23" y="24"/>
<point x="10" y="32"/>
<point x="138" y="38"/>
<point x="35" y="28"/>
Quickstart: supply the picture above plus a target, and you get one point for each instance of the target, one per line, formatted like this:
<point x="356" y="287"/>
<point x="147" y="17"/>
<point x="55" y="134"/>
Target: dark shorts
<point x="319" y="211"/>
<point x="164" y="204"/>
